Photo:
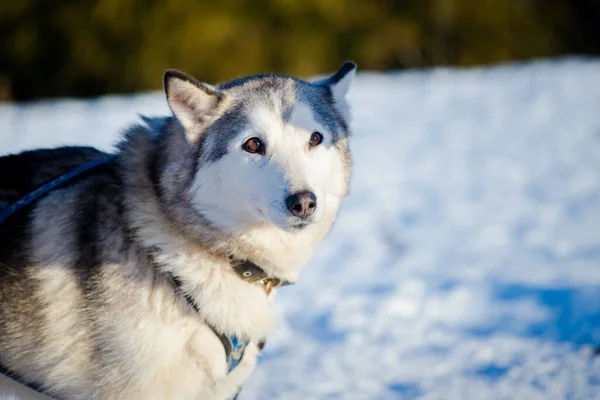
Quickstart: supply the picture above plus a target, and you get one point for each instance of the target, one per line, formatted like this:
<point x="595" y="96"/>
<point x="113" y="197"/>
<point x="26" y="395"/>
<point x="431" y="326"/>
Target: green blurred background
<point x="87" y="48"/>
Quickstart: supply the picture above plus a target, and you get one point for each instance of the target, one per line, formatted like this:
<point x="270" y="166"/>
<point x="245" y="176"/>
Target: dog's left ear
<point x="191" y="101"/>
<point x="339" y="84"/>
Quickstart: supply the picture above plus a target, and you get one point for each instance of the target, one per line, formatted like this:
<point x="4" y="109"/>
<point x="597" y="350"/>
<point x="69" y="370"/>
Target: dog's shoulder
<point x="26" y="171"/>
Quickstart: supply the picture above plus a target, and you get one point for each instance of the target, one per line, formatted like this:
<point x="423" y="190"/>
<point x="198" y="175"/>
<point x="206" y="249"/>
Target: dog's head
<point x="272" y="151"/>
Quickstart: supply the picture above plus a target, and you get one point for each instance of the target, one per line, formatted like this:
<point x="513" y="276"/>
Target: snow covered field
<point x="466" y="262"/>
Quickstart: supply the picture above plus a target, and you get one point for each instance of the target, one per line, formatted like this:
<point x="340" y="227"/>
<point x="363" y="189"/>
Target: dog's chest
<point x="183" y="359"/>
<point x="167" y="348"/>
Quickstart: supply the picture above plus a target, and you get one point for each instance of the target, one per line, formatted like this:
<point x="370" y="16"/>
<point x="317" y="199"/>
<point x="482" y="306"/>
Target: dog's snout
<point x="302" y="204"/>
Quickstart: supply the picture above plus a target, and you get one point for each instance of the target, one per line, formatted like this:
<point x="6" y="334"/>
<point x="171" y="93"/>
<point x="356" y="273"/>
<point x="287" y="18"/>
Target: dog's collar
<point x="246" y="271"/>
<point x="252" y="273"/>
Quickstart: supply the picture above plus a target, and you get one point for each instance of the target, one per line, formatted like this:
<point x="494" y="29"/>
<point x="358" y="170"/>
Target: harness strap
<point x="234" y="347"/>
<point x="248" y="272"/>
<point x="7" y="211"/>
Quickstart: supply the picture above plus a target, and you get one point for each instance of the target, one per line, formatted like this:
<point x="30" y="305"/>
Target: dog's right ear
<point x="190" y="101"/>
<point x="339" y="84"/>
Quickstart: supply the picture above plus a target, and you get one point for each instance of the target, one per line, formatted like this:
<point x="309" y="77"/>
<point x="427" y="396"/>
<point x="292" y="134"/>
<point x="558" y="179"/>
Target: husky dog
<point x="122" y="282"/>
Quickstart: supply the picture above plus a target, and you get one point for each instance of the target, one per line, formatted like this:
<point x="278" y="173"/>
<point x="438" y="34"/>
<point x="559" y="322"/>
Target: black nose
<point x="302" y="204"/>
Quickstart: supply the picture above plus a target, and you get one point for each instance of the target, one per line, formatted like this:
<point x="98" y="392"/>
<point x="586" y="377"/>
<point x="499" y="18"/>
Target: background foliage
<point x="85" y="48"/>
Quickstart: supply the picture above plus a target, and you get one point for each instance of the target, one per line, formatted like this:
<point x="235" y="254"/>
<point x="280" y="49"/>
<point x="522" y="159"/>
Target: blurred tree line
<point x="91" y="47"/>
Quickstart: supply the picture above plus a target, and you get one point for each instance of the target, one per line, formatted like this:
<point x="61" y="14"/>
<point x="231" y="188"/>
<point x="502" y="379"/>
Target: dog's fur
<point x="88" y="308"/>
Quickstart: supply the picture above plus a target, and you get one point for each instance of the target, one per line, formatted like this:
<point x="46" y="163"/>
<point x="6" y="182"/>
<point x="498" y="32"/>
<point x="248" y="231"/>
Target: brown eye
<point x="315" y="139"/>
<point x="254" y="145"/>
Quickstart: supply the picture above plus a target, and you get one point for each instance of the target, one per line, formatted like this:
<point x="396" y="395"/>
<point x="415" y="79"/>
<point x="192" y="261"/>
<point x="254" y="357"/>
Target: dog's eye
<point x="254" y="145"/>
<point x="315" y="139"/>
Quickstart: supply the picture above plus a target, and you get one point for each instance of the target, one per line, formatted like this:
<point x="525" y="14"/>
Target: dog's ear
<point x="190" y="101"/>
<point x="339" y="84"/>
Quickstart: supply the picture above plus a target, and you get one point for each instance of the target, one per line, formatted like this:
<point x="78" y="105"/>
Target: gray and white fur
<point x="88" y="308"/>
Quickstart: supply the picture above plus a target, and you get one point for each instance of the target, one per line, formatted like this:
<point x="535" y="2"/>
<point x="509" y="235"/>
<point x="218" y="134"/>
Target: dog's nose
<point x="302" y="204"/>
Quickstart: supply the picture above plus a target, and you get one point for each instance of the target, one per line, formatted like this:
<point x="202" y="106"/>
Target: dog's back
<point x="25" y="172"/>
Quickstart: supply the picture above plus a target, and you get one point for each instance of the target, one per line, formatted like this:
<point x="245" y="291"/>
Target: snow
<point x="465" y="263"/>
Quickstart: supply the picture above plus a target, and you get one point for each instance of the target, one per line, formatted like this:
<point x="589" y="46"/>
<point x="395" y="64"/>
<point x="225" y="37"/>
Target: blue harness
<point x="9" y="210"/>
<point x="234" y="346"/>
<point x="237" y="351"/>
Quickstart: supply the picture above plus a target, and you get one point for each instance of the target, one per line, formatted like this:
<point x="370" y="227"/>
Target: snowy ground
<point x="466" y="262"/>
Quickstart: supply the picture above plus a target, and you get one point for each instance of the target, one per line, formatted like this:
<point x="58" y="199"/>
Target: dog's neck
<point x="247" y="271"/>
<point x="230" y="305"/>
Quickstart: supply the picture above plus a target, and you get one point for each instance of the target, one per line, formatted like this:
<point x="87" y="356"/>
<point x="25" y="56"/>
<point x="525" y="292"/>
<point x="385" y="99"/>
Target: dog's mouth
<point x="300" y="225"/>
